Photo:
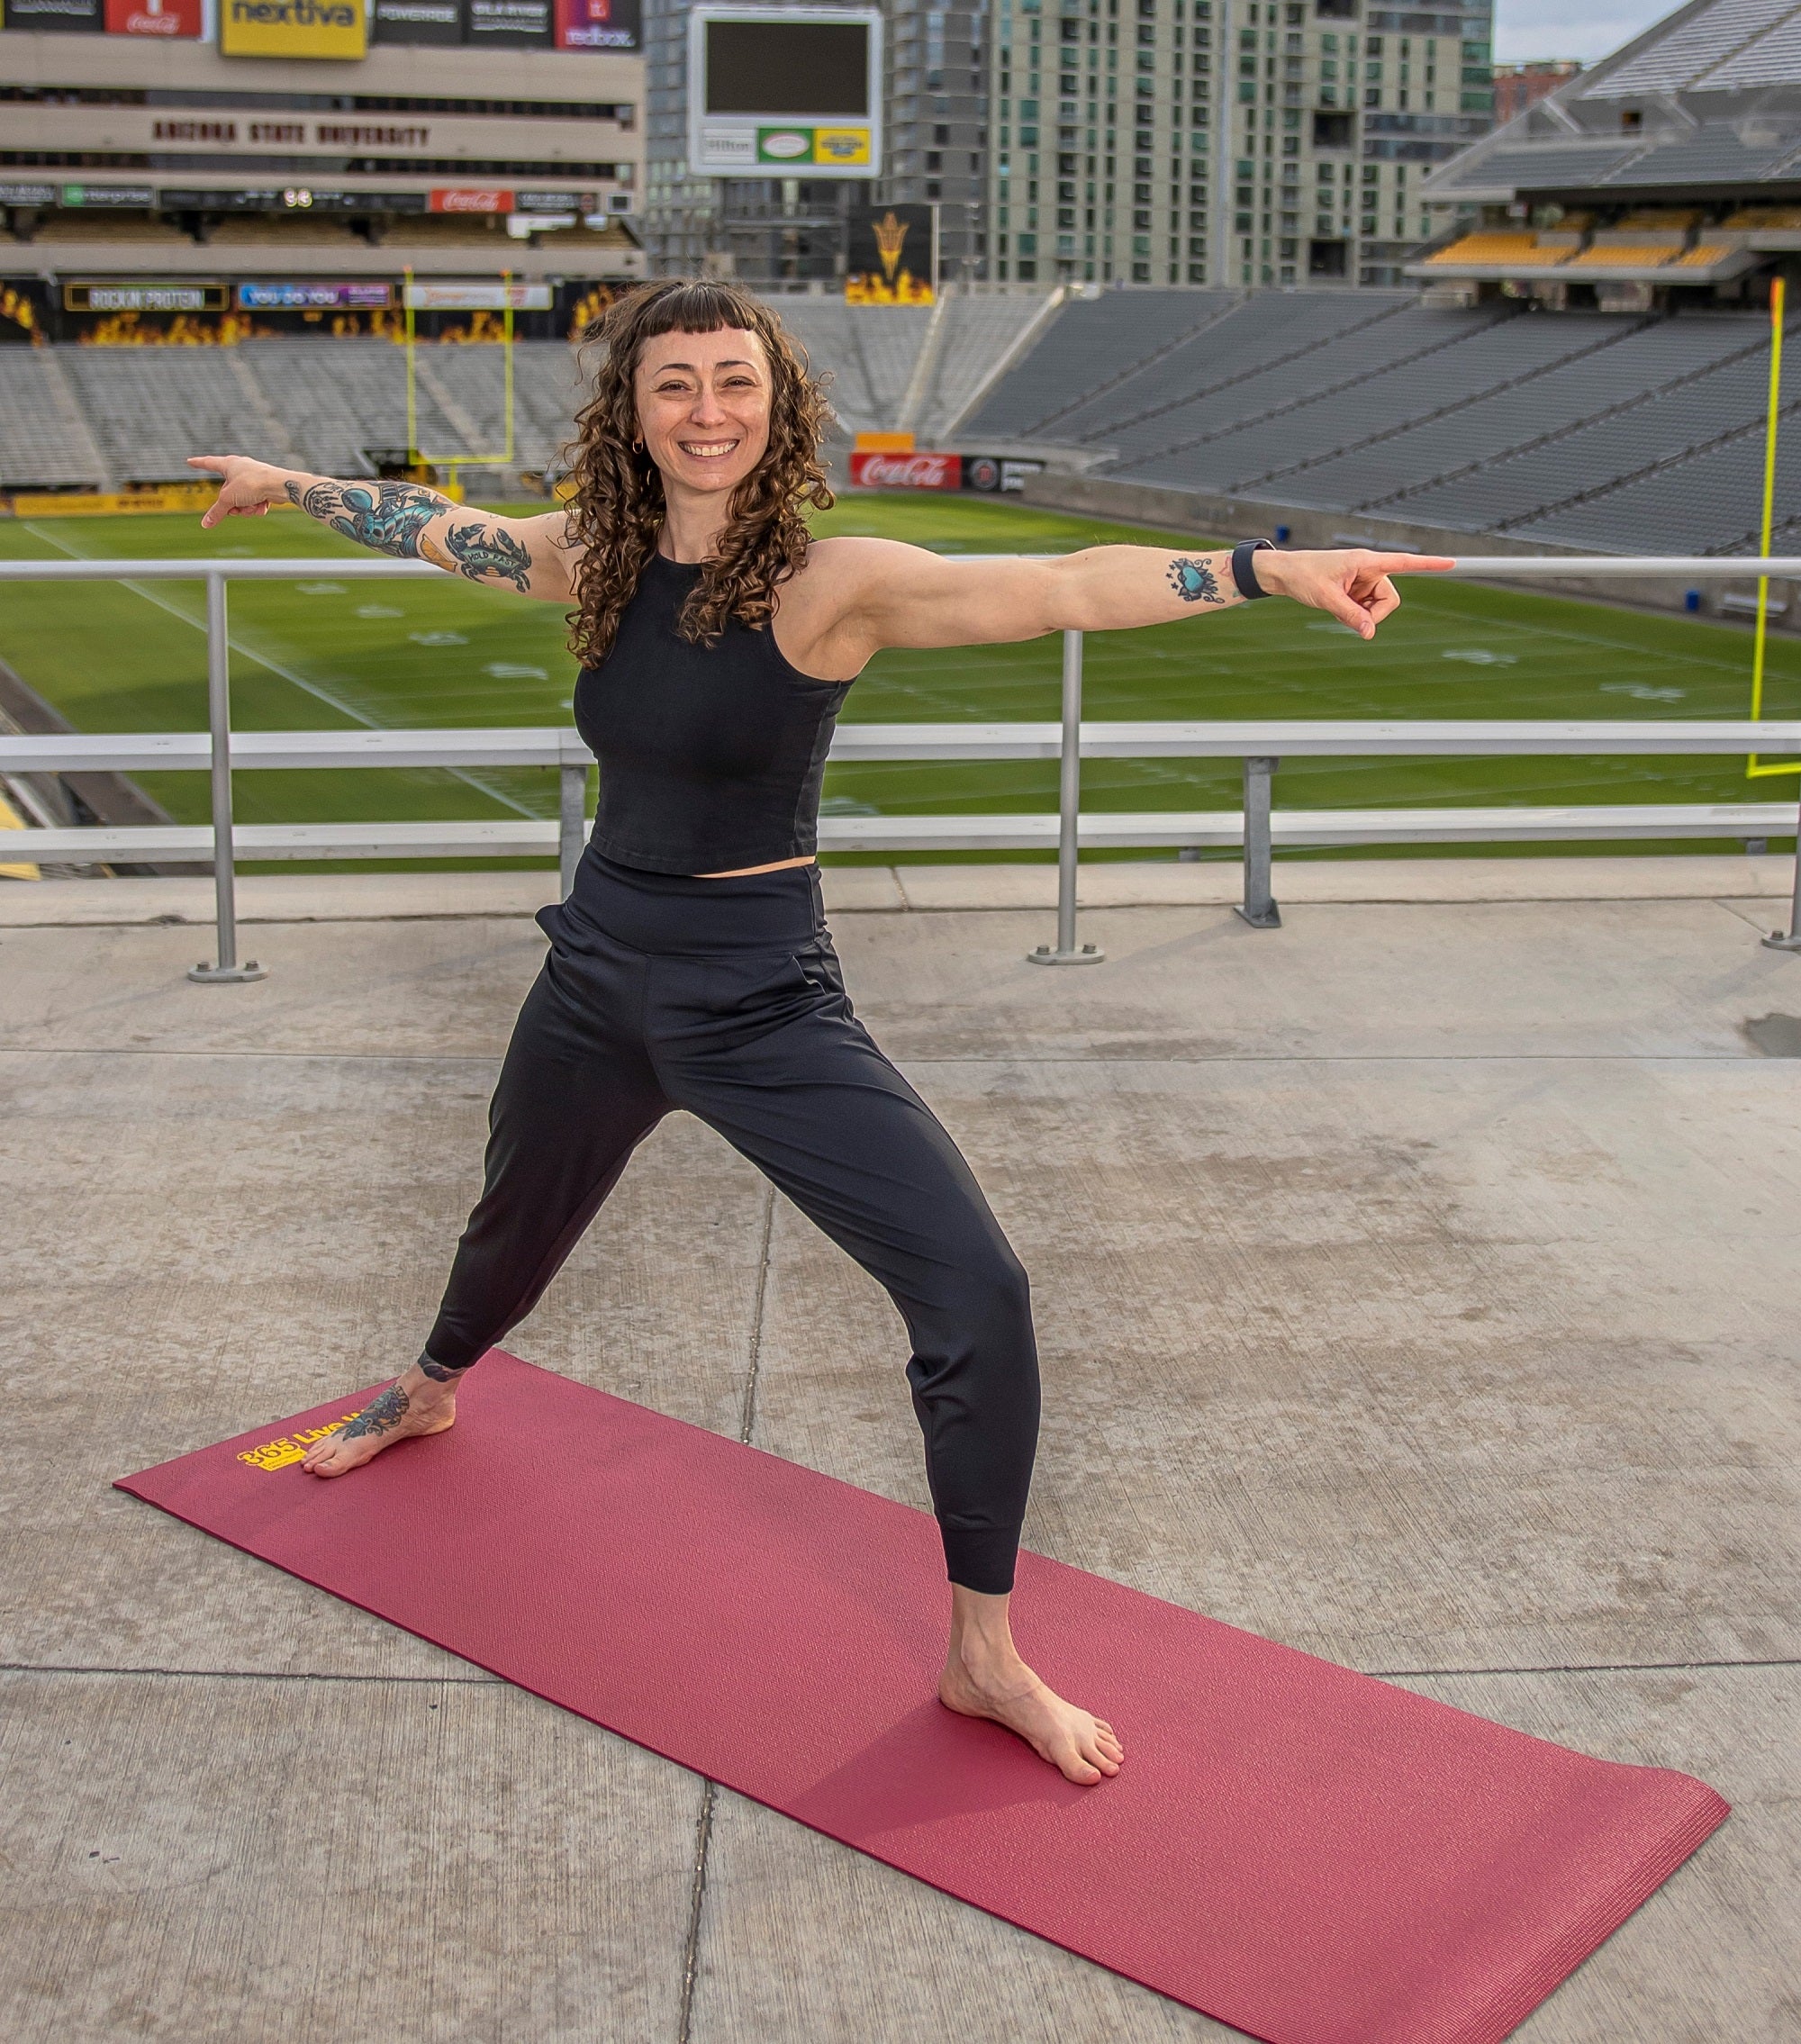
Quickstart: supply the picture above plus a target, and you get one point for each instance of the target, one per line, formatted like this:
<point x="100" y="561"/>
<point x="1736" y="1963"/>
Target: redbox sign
<point x="907" y="471"/>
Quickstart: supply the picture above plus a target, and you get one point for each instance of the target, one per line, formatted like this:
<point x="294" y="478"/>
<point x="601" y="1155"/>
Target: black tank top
<point x="710" y="756"/>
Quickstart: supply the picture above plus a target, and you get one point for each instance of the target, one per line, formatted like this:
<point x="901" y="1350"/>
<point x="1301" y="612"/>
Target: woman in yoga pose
<point x="691" y="966"/>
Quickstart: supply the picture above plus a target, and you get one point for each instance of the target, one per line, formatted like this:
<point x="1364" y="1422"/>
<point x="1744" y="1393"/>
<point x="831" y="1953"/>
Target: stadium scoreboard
<point x="796" y="94"/>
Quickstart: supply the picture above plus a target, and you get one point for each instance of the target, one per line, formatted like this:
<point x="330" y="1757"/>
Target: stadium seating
<point x="1092" y="344"/>
<point x="45" y="441"/>
<point x="1493" y="247"/>
<point x="1622" y="432"/>
<point x="1594" y="429"/>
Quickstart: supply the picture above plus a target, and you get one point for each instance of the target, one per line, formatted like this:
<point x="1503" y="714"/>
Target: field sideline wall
<point x="1144" y="504"/>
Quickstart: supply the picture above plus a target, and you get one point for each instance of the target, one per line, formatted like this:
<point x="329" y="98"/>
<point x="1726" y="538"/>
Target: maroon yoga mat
<point x="1307" y="1853"/>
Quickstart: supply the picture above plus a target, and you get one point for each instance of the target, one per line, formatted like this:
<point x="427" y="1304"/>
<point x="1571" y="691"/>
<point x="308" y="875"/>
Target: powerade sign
<point x="292" y="28"/>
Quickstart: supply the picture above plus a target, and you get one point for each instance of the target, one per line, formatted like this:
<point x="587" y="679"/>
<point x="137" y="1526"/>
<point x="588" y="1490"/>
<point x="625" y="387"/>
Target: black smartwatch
<point x="1243" y="573"/>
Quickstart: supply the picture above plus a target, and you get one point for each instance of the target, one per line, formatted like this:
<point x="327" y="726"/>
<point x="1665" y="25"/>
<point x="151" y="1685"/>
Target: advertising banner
<point x="292" y="198"/>
<point x="996" y="472"/>
<point x="477" y="296"/>
<point x="598" y="24"/>
<point x="310" y="297"/>
<point x="472" y="198"/>
<point x="135" y="198"/>
<point x="512" y="24"/>
<point x="419" y="21"/>
<point x="332" y="29"/>
<point x="28" y="194"/>
<point x="56" y="17"/>
<point x="183" y="19"/>
<point x="108" y="295"/>
<point x="556" y="202"/>
<point x="907" y="471"/>
<point x="893" y="256"/>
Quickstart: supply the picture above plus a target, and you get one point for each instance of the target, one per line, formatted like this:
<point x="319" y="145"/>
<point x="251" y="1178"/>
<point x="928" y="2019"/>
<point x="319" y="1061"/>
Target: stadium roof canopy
<point x="1706" y="105"/>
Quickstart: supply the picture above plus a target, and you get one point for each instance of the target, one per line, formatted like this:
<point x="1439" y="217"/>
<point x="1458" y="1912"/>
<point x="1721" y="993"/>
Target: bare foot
<point x="1085" y="1748"/>
<point x="411" y="1405"/>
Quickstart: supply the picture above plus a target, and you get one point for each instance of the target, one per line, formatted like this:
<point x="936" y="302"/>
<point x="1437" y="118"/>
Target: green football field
<point x="323" y="653"/>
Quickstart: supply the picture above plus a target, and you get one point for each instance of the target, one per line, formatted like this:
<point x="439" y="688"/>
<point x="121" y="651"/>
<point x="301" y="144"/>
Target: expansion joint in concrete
<point x="697" y="1896"/>
<point x="1580" y="1667"/>
<point x="748" y="1417"/>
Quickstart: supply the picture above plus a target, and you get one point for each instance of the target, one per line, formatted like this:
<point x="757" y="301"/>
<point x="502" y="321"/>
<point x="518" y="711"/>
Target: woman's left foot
<point x="1084" y="1747"/>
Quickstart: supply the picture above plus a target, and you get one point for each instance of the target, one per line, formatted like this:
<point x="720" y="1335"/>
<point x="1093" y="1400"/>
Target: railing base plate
<point x="1089" y="955"/>
<point x="1270" y="918"/>
<point x="227" y="975"/>
<point x="1775" y="941"/>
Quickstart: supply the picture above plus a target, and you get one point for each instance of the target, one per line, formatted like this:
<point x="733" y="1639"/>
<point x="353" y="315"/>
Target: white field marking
<point x="437" y="638"/>
<point x="515" y="671"/>
<point x="320" y="588"/>
<point x="846" y="805"/>
<point x="301" y="682"/>
<point x="1480" y="657"/>
<point x="1640" y="692"/>
<point x="1331" y="624"/>
<point x="378" y="611"/>
<point x="1616" y="646"/>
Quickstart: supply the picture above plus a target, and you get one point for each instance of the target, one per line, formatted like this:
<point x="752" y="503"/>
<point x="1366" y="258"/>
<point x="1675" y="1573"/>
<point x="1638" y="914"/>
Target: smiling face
<point x="703" y="403"/>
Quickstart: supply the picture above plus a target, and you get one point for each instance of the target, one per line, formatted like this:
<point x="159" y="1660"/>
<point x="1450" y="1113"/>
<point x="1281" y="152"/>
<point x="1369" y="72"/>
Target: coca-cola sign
<point x="907" y="471"/>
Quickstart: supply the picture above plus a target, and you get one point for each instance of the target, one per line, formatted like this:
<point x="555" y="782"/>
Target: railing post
<point x="1068" y="815"/>
<point x="1776" y="940"/>
<point x="225" y="971"/>
<point x="1259" y="905"/>
<point x="571" y="836"/>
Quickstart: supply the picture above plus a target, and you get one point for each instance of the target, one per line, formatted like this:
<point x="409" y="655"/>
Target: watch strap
<point x="1243" y="573"/>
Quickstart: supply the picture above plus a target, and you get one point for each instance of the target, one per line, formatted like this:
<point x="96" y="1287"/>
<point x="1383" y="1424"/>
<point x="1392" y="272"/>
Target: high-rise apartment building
<point x="937" y="123"/>
<point x="1138" y="142"/>
<point x="1223" y="141"/>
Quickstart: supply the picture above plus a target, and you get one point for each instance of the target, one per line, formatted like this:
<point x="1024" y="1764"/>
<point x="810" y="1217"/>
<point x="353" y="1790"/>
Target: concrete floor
<point x="1417" y="1285"/>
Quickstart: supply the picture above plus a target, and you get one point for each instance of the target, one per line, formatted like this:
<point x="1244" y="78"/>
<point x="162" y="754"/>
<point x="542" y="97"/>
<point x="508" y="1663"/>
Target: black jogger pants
<point x="725" y="997"/>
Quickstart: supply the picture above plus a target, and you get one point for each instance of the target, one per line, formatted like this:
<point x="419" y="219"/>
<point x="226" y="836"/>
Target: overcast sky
<point x="1585" y="29"/>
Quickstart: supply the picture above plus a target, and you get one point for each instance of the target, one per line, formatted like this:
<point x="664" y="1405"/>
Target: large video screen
<point x="787" y="68"/>
<point x="795" y="93"/>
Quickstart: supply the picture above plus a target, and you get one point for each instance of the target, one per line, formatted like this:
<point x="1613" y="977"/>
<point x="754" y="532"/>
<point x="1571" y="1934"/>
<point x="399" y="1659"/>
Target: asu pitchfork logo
<point x="291" y="1447"/>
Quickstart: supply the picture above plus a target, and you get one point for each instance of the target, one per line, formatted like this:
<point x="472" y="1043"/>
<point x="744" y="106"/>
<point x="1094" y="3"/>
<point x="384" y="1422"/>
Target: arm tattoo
<point x="1194" y="582"/>
<point x="382" y="1414"/>
<point x="483" y="551"/>
<point x="387" y="516"/>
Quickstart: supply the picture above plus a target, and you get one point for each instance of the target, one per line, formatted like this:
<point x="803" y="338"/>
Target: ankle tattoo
<point x="439" y="1373"/>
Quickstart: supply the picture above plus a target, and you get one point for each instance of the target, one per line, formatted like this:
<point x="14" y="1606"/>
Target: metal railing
<point x="1258" y="828"/>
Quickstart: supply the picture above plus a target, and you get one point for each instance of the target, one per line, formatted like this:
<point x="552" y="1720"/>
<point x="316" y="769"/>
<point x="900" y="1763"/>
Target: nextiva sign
<point x="291" y="27"/>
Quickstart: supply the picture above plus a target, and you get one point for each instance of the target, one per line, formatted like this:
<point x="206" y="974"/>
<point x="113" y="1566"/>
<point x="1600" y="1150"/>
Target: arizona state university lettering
<point x="293" y="27"/>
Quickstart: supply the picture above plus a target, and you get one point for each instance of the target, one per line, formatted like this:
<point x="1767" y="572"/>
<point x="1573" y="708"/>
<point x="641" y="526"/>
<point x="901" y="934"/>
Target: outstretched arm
<point x="406" y="520"/>
<point x="890" y="594"/>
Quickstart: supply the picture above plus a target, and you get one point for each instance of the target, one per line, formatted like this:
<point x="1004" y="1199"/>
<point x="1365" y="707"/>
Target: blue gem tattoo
<point x="1194" y="582"/>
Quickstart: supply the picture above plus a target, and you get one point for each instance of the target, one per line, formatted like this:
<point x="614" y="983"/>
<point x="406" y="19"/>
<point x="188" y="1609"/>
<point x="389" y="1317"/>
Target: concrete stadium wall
<point x="1211" y="517"/>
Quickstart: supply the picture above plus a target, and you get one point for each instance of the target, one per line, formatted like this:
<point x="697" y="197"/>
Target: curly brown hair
<point x="618" y="510"/>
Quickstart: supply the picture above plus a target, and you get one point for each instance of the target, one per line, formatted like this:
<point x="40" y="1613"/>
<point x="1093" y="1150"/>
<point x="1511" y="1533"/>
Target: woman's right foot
<point x="411" y="1405"/>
